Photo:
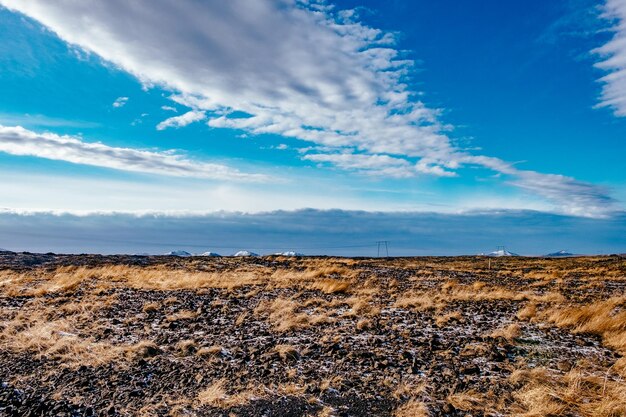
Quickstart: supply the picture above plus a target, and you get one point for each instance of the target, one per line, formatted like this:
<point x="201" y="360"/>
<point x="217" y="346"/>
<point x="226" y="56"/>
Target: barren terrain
<point x="90" y="335"/>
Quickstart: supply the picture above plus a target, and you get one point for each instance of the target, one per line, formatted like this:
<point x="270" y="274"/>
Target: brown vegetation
<point x="320" y="328"/>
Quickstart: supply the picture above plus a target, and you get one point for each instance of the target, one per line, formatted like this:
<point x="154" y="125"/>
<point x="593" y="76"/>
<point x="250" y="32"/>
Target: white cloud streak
<point x="301" y="70"/>
<point x="182" y="120"/>
<point x="16" y="140"/>
<point x="378" y="165"/>
<point x="120" y="102"/>
<point x="614" y="59"/>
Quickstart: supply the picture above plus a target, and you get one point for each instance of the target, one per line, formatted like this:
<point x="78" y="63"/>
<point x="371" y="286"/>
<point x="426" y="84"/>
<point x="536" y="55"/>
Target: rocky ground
<point x="90" y="335"/>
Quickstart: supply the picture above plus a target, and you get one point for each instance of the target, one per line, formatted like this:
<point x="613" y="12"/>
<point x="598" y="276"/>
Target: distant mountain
<point x="559" y="254"/>
<point x="502" y="252"/>
<point x="180" y="253"/>
<point x="245" y="253"/>
<point x="289" y="253"/>
<point x="141" y="254"/>
<point x="211" y="254"/>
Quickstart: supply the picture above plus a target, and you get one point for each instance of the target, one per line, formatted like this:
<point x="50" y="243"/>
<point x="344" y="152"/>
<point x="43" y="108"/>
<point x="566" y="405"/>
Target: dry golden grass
<point x="210" y="351"/>
<point x="219" y="395"/>
<point x="214" y="395"/>
<point x="284" y="315"/>
<point x="528" y="312"/>
<point x="331" y="286"/>
<point x="350" y="294"/>
<point x="182" y="315"/>
<point x="452" y="317"/>
<point x="470" y="401"/>
<point x="510" y="332"/>
<point x="59" y="340"/>
<point x="287" y="352"/>
<point x="419" y="302"/>
<point x="186" y="347"/>
<point x="604" y="318"/>
<point x="151" y="307"/>
<point x="412" y="408"/>
<point x="577" y="393"/>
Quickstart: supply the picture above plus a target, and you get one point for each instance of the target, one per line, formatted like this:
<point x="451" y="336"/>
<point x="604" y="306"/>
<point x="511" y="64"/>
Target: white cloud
<point x="379" y="165"/>
<point x="16" y="140"/>
<point x="120" y="102"/>
<point x="568" y="194"/>
<point x="614" y="59"/>
<point x="182" y="120"/>
<point x="327" y="232"/>
<point x="300" y="70"/>
<point x="169" y="108"/>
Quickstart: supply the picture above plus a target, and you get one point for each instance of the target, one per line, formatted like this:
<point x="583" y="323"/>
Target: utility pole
<point x="380" y="244"/>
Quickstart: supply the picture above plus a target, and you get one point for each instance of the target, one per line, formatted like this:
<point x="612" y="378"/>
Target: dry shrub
<point x="58" y="340"/>
<point x="528" y="312"/>
<point x="186" y="347"/>
<point x="214" y="395"/>
<point x="217" y="394"/>
<point x="605" y="318"/>
<point x="475" y="349"/>
<point x="620" y="367"/>
<point x="67" y="279"/>
<point x="361" y="306"/>
<point x="549" y="297"/>
<point x="287" y="352"/>
<point x="284" y="315"/>
<point x="469" y="401"/>
<point x="241" y="318"/>
<point x="485" y="293"/>
<point x="211" y="351"/>
<point x="454" y="316"/>
<point x="182" y="315"/>
<point x="408" y="388"/>
<point x="325" y="271"/>
<point x="510" y="332"/>
<point x="419" y="302"/>
<point x="331" y="286"/>
<point x="151" y="307"/>
<point x="143" y="349"/>
<point x="364" y="324"/>
<point x="577" y="393"/>
<point x="412" y="408"/>
<point x="479" y="285"/>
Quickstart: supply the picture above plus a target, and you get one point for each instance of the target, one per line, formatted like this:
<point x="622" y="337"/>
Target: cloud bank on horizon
<point x="314" y="232"/>
<point x="301" y="70"/>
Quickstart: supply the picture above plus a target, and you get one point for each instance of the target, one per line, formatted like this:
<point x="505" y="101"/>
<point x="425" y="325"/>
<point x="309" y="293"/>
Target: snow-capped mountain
<point x="180" y="253"/>
<point x="502" y="252"/>
<point x="245" y="253"/>
<point x="211" y="254"/>
<point x="559" y="254"/>
<point x="289" y="253"/>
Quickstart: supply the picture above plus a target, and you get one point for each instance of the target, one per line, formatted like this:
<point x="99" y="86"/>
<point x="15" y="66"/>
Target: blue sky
<point x="190" y="108"/>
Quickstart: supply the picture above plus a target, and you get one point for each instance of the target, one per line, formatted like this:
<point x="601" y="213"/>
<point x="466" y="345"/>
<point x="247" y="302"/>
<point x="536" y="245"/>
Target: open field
<point x="122" y="335"/>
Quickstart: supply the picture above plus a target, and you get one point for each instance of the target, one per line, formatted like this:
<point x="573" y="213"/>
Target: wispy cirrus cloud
<point x="16" y="140"/>
<point x="613" y="61"/>
<point x="299" y="69"/>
